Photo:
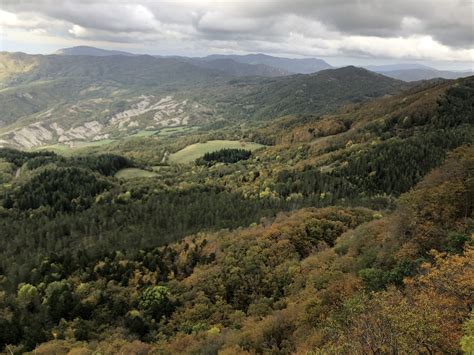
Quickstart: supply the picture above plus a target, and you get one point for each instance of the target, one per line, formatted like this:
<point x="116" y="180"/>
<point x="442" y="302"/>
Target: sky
<point x="439" y="33"/>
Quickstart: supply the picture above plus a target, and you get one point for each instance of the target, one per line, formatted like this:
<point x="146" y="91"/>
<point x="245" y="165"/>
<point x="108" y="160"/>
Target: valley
<point x="74" y="105"/>
<point x="229" y="205"/>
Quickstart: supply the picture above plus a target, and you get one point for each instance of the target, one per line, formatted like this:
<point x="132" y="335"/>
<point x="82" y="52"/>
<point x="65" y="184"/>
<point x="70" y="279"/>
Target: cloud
<point x="405" y="29"/>
<point x="11" y="20"/>
<point x="105" y="16"/>
<point x="218" y="22"/>
<point x="447" y="21"/>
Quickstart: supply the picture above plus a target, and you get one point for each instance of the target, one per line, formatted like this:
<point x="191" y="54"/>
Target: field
<point x="181" y="130"/>
<point x="145" y="133"/>
<point x="132" y="173"/>
<point x="166" y="131"/>
<point x="194" y="151"/>
<point x="66" y="149"/>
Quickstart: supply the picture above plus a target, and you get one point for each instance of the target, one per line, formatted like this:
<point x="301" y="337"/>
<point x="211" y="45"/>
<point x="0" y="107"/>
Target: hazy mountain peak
<point x="291" y="65"/>
<point x="416" y="72"/>
<point x="232" y="67"/>
<point x="398" y="66"/>
<point x="348" y="71"/>
<point x="91" y="51"/>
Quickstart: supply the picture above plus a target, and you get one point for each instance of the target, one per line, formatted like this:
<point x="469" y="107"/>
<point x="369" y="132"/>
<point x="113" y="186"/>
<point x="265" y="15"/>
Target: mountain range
<point x="288" y="65"/>
<point x="280" y="66"/>
<point x="416" y="72"/>
<point x="424" y="74"/>
<point x="85" y="94"/>
<point x="265" y="65"/>
<point x="90" y="51"/>
<point x="65" y="98"/>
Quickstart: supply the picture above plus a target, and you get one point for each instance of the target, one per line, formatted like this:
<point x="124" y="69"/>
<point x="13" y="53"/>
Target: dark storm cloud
<point x="448" y="21"/>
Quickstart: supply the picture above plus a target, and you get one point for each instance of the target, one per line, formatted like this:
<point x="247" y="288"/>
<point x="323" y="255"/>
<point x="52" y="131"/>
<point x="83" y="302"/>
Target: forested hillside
<point x="345" y="232"/>
<point x="312" y="279"/>
<point x="291" y="65"/>
<point x="68" y="100"/>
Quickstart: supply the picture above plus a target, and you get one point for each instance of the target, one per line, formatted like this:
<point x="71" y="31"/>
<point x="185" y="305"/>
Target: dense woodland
<point x="227" y="155"/>
<point x="351" y="233"/>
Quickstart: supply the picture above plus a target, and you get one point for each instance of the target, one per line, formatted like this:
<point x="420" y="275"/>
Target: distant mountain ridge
<point x="425" y="74"/>
<point x="291" y="65"/>
<point x="320" y="92"/>
<point x="416" y="72"/>
<point x="397" y="66"/>
<point x="91" y="51"/>
<point x="270" y="66"/>
<point x="238" y="65"/>
<point x="68" y="98"/>
<point x="231" y="67"/>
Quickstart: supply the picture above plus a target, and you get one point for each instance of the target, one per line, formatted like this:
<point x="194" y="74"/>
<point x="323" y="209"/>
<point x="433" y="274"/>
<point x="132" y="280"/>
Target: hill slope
<point x="234" y="68"/>
<point x="317" y="93"/>
<point x="65" y="99"/>
<point x="290" y="65"/>
<point x="350" y="222"/>
<point x="46" y="96"/>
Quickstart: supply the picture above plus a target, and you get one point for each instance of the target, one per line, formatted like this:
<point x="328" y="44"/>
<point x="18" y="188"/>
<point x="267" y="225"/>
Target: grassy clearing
<point x="194" y="151"/>
<point x="132" y="173"/>
<point x="172" y="130"/>
<point x="66" y="149"/>
<point x="144" y="133"/>
<point x="167" y="131"/>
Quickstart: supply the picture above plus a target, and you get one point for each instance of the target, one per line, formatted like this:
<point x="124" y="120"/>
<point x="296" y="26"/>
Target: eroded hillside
<point x="72" y="99"/>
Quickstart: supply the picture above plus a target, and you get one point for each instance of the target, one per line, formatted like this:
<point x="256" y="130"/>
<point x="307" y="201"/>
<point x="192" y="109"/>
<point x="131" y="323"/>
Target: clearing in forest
<point x="194" y="151"/>
<point x="132" y="173"/>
